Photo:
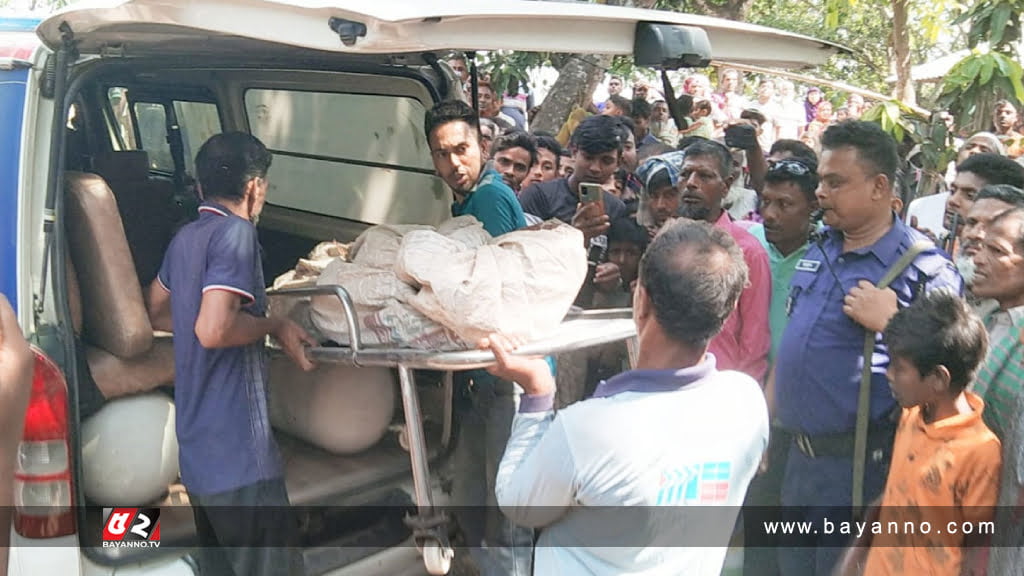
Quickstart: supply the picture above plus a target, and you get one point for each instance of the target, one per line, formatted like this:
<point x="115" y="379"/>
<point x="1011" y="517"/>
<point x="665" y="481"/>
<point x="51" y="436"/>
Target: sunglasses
<point x="789" y="167"/>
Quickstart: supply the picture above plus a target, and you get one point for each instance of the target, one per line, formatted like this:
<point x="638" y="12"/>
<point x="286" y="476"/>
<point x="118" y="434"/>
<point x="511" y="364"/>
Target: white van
<point x="102" y="108"/>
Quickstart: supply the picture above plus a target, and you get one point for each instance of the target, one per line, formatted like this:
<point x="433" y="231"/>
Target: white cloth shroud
<point x="444" y="289"/>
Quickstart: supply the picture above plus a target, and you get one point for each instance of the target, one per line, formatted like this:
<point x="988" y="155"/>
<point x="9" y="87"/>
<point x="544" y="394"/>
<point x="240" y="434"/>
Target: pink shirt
<point x="745" y="338"/>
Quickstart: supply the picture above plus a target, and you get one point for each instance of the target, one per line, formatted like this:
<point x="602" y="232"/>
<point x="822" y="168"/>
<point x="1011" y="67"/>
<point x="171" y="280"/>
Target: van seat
<point x="145" y="205"/>
<point x="124" y="356"/>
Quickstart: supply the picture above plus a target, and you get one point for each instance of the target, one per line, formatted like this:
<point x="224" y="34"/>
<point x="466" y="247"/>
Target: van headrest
<point x="122" y="165"/>
<point x="113" y="310"/>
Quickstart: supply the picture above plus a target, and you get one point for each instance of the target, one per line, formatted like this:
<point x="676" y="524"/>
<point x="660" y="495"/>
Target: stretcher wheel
<point x="437" y="558"/>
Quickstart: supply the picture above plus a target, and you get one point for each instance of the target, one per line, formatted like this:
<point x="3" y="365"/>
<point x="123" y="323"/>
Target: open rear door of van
<point x="142" y="27"/>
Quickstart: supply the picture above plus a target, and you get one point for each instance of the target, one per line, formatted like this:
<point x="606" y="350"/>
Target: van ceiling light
<point x="347" y="30"/>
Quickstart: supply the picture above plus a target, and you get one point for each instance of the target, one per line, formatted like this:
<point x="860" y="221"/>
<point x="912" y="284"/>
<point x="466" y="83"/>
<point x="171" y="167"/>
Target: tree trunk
<point x="901" y="49"/>
<point x="575" y="86"/>
<point x="576" y="82"/>
<point x="582" y="73"/>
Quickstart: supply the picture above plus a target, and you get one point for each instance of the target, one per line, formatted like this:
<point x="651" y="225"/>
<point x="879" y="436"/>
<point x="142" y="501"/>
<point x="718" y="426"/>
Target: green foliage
<point x="995" y="23"/>
<point x="893" y="117"/>
<point x="977" y="81"/>
<point x="975" y="78"/>
<point x="506" y="66"/>
<point x="928" y="136"/>
<point x="861" y="30"/>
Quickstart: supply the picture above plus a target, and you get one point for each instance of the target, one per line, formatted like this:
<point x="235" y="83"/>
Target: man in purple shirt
<point x="832" y="301"/>
<point x="210" y="294"/>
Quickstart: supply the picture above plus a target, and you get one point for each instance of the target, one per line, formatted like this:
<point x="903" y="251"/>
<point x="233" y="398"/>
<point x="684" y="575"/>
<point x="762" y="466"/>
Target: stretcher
<point x="578" y="330"/>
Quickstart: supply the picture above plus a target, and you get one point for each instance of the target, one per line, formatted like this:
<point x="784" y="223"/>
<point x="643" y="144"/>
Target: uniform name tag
<point x="808" y="265"/>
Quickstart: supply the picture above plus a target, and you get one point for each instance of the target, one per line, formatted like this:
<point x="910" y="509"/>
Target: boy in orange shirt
<point x="944" y="476"/>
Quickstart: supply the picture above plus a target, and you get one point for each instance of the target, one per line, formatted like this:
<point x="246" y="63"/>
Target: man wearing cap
<point x="702" y="178"/>
<point x="661" y="196"/>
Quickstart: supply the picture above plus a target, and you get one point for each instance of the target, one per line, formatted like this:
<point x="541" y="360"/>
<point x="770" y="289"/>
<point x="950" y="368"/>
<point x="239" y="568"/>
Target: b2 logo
<point x="131" y="527"/>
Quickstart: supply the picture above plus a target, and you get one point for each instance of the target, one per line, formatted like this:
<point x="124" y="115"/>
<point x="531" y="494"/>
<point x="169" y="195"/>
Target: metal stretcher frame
<point x="578" y="330"/>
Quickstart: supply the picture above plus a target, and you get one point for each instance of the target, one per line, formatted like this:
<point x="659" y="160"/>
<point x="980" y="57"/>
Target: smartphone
<point x="741" y="136"/>
<point x="592" y="194"/>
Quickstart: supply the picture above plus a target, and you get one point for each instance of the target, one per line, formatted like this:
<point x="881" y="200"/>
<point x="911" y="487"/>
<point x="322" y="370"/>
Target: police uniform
<point x="818" y="375"/>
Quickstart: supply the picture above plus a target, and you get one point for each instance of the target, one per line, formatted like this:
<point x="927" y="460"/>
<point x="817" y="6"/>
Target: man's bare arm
<point x="222" y="324"/>
<point x="158" y="304"/>
<point x="679" y="108"/>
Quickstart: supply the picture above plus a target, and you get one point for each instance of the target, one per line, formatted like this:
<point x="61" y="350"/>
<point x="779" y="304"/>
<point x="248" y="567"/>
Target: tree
<point x="577" y="80"/>
<point x="992" y="70"/>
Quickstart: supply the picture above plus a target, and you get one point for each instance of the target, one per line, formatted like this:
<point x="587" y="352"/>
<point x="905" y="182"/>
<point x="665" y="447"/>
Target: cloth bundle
<point x="445" y="288"/>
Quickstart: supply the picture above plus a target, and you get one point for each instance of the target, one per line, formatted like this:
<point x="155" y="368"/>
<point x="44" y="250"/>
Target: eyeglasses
<point x="789" y="167"/>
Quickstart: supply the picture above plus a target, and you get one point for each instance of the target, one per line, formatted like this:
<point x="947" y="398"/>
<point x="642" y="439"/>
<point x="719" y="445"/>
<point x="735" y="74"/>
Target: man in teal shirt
<point x="787" y="207"/>
<point x="486" y="405"/>
<point x="788" y="204"/>
<point x="453" y="133"/>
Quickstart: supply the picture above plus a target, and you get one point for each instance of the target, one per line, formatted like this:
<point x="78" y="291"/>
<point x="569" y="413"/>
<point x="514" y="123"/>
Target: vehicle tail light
<point x="18" y="46"/>
<point x="42" y="478"/>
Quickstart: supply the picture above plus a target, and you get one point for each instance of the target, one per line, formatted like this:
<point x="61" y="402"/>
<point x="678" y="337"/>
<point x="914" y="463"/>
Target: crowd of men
<point x="801" y="349"/>
<point x="884" y="357"/>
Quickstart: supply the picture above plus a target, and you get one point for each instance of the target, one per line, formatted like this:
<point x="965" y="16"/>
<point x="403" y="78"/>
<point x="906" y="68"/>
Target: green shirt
<point x="1000" y="380"/>
<point x="783" y="268"/>
<point x="494" y="204"/>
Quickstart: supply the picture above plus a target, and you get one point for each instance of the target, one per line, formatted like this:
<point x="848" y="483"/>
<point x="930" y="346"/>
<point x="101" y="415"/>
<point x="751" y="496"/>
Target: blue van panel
<point x="19" y="24"/>
<point x="12" y="112"/>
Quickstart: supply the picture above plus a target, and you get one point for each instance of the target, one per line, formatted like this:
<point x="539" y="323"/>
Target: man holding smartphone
<point x="596" y="148"/>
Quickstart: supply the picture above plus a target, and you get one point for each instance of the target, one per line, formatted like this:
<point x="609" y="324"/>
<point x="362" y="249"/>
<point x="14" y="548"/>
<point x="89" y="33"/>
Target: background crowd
<point x="848" y="311"/>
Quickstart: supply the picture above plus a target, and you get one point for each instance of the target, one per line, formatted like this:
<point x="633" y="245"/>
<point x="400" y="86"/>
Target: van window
<point x="125" y="129"/>
<point x="196" y="120"/>
<point x="361" y="157"/>
<point x="152" y="119"/>
<point x="199" y="121"/>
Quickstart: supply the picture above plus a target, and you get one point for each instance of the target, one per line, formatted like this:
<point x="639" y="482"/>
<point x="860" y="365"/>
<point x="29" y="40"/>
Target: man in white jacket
<point x="647" y="476"/>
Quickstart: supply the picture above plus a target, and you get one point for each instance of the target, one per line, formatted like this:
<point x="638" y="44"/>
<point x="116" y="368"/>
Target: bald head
<point x="692" y="274"/>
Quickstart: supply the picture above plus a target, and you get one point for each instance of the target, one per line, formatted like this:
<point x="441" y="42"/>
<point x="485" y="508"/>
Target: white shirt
<point x="931" y="213"/>
<point x="645" y="478"/>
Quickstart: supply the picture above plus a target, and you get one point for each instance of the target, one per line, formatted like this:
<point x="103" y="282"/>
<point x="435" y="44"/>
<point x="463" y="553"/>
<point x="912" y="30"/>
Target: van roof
<point x="139" y="27"/>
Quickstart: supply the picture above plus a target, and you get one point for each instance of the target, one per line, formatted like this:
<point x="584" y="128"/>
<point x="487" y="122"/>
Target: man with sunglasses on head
<point x="788" y="206"/>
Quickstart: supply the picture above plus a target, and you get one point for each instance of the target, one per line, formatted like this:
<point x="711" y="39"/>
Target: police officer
<point x="832" y="301"/>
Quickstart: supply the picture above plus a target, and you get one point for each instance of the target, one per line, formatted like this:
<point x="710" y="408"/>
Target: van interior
<point x="349" y="153"/>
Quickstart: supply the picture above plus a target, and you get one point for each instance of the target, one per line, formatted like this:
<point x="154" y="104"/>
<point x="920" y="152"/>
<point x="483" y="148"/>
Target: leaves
<point x="980" y="78"/>
<point x="997" y="28"/>
<point x="987" y="67"/>
<point x="995" y="23"/>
